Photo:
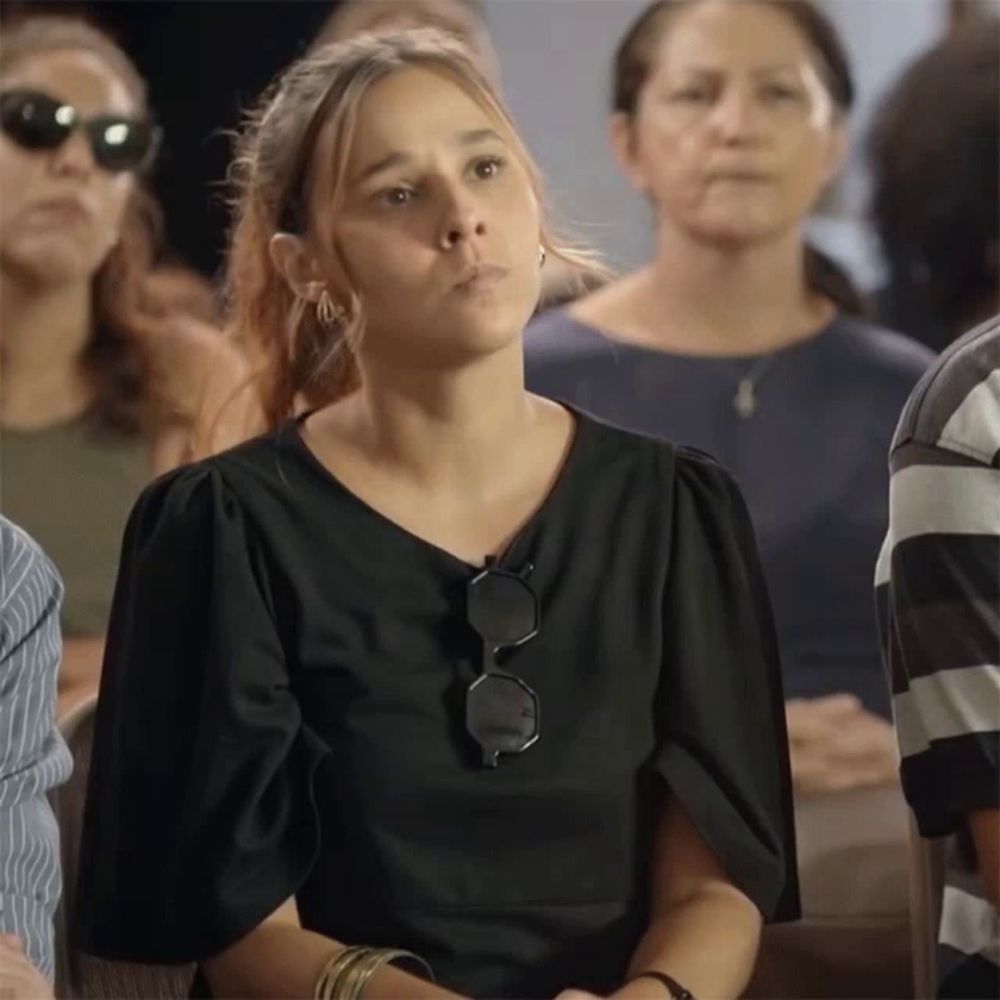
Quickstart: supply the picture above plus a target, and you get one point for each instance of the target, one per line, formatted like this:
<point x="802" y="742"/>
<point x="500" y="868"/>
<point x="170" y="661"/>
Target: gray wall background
<point x="556" y="58"/>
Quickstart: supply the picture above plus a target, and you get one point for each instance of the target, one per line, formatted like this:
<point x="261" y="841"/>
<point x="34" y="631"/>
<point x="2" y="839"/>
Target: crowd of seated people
<point x="461" y="618"/>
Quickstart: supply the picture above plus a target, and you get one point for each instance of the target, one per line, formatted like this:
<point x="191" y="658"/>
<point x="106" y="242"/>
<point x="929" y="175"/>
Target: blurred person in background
<point x="33" y="760"/>
<point x="462" y="19"/>
<point x="744" y="340"/>
<point x="938" y="589"/>
<point x="306" y="642"/>
<point x="934" y="150"/>
<point x="104" y="373"/>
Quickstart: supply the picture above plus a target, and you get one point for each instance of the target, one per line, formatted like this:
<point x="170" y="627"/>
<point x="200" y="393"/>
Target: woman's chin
<point x="50" y="260"/>
<point x="737" y="231"/>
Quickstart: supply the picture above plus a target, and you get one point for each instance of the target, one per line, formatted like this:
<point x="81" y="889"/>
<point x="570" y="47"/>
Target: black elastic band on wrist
<point x="677" y="992"/>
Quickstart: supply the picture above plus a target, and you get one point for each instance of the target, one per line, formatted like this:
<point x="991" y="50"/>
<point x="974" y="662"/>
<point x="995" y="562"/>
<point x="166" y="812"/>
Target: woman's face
<point x="736" y="134"/>
<point x="438" y="229"/>
<point x="60" y="213"/>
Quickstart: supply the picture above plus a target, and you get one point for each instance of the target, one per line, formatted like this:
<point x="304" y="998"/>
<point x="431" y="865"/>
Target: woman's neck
<point x="443" y="428"/>
<point x="695" y="298"/>
<point x="43" y="334"/>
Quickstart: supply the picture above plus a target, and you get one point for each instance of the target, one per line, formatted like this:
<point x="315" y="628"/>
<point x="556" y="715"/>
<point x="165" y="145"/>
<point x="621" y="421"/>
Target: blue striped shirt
<point x="33" y="756"/>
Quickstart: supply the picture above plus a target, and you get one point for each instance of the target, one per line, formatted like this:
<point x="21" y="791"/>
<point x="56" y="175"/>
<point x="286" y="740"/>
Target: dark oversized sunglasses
<point x="501" y="710"/>
<point x="37" y="121"/>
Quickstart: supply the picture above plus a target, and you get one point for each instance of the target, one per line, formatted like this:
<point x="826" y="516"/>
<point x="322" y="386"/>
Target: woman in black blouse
<point x="558" y="773"/>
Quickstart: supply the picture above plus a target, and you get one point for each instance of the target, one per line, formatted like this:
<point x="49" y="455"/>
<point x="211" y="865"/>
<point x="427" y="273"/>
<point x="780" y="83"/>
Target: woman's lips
<point x="481" y="278"/>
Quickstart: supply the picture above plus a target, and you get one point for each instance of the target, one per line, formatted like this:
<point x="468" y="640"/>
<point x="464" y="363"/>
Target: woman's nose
<point x="75" y="156"/>
<point x="462" y="220"/>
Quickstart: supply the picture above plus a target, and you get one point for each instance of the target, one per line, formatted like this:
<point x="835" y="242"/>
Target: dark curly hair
<point x="934" y="152"/>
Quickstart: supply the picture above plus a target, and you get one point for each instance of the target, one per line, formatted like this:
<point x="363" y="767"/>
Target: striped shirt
<point x="33" y="756"/>
<point x="938" y="590"/>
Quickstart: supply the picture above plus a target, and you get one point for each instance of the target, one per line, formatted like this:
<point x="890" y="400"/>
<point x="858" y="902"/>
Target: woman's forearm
<point x="708" y="943"/>
<point x="79" y="671"/>
<point x="279" y="959"/>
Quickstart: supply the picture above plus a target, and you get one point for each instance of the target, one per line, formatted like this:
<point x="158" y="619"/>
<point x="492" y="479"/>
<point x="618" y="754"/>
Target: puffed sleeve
<point x="724" y="749"/>
<point x="199" y="819"/>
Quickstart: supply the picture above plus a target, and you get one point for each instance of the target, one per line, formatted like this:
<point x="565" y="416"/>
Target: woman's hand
<point x="19" y="979"/>
<point x="836" y="745"/>
<point x="635" y="989"/>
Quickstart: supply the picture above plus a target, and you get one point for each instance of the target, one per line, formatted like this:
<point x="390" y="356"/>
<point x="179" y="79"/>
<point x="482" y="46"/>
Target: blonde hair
<point x="298" y="358"/>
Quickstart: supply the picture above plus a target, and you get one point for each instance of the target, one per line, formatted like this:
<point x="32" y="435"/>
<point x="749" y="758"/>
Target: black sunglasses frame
<point x="52" y="132"/>
<point x="502" y="712"/>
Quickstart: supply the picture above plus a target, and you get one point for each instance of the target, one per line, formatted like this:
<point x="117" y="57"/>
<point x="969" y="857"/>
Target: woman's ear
<point x="624" y="141"/>
<point x="295" y="262"/>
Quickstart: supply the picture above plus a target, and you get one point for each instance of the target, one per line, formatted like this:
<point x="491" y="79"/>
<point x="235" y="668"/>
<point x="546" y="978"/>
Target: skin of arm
<point x="19" y="979"/>
<point x="984" y="825"/>
<point x="80" y="671"/>
<point x="703" y="932"/>
<point x="279" y="958"/>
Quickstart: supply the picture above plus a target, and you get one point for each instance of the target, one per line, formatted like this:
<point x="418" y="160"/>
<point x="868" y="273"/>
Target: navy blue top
<point x="811" y="462"/>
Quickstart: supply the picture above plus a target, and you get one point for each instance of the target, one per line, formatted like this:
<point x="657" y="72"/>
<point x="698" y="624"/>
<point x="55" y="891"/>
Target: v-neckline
<point x="570" y="459"/>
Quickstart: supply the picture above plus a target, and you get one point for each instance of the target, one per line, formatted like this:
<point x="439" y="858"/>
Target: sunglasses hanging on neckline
<point x="501" y="710"/>
<point x="37" y="121"/>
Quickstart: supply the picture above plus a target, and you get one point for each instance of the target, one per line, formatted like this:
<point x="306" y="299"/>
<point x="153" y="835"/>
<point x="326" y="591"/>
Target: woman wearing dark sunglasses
<point x="489" y="687"/>
<point x="101" y="372"/>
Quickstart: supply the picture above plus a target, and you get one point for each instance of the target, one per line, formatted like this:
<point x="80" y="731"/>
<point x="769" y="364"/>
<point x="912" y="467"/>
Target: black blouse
<point x="282" y="712"/>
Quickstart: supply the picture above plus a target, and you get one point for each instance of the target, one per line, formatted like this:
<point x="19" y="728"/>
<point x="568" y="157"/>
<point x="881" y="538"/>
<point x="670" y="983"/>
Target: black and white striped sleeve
<point x="33" y="756"/>
<point x="938" y="590"/>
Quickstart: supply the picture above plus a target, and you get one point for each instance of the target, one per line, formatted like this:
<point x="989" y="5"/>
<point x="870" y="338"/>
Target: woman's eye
<point x="777" y="92"/>
<point x="489" y="167"/>
<point x="395" y="197"/>
<point x="691" y="95"/>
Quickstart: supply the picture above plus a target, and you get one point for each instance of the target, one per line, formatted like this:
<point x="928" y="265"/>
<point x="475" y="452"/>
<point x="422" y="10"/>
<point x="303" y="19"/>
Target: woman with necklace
<point x="741" y="339"/>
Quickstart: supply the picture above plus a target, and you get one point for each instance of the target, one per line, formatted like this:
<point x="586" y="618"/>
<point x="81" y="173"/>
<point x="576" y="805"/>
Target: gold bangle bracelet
<point x="334" y="968"/>
<point x="348" y="972"/>
<point x="360" y="973"/>
<point x="365" y="972"/>
<point x="341" y="985"/>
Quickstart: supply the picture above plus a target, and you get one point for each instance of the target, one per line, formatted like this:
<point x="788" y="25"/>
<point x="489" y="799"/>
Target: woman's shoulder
<point x="218" y="485"/>
<point x="691" y="467"/>
<point x="879" y="349"/>
<point x="578" y="329"/>
<point x="200" y="373"/>
<point x="557" y="335"/>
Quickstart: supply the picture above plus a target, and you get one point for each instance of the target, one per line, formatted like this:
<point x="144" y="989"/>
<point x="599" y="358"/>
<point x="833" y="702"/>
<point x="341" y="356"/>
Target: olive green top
<point x="71" y="487"/>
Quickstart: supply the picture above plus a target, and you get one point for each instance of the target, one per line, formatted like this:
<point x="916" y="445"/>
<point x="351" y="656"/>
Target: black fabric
<point x="950" y="779"/>
<point x="937" y="568"/>
<point x="282" y="713"/>
<point x="967" y="977"/>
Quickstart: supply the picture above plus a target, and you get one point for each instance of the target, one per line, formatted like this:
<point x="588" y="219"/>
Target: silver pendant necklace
<point x="745" y="400"/>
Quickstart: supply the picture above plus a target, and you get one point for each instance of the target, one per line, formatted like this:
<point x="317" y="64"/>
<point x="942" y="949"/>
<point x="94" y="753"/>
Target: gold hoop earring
<point x="542" y="255"/>
<point x="329" y="314"/>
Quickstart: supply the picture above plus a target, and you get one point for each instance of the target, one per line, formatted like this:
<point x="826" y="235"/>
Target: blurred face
<point x="60" y="213"/>
<point x="438" y="229"/>
<point x="736" y="134"/>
